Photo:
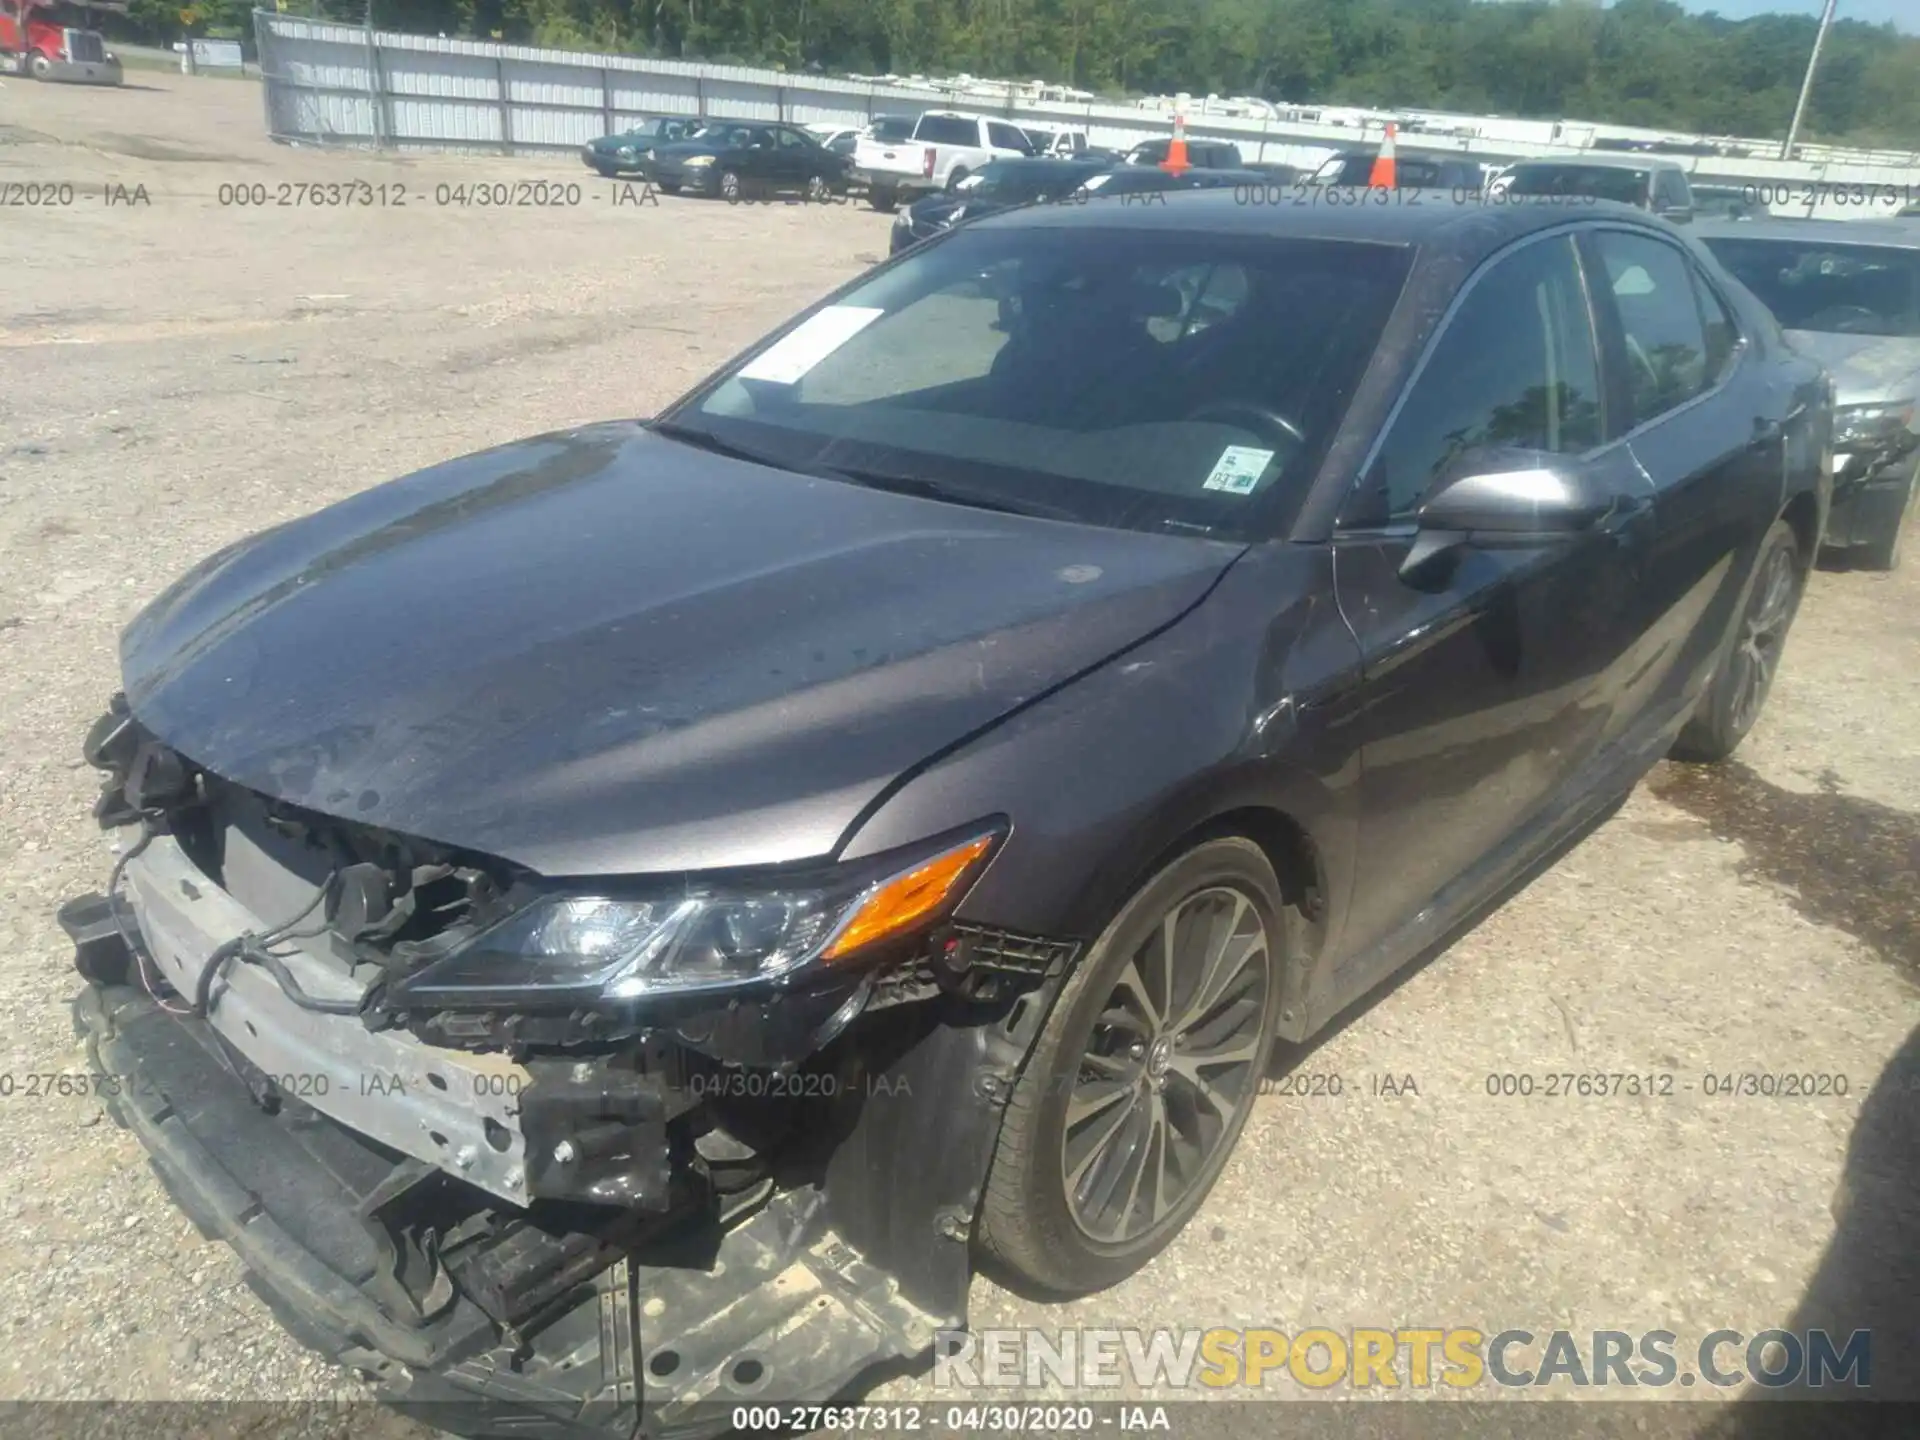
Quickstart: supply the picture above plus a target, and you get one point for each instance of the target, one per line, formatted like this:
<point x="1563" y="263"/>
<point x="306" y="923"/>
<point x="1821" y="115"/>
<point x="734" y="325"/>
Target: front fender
<point x="1236" y="708"/>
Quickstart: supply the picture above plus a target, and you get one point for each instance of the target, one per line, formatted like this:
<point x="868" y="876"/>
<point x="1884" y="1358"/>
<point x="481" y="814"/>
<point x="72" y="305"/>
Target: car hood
<point x="1865" y="368"/>
<point x="606" y="652"/>
<point x="607" y="144"/>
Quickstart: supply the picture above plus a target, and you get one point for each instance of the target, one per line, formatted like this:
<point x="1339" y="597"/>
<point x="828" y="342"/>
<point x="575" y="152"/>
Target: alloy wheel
<point x="1172" y="1061"/>
<point x="1763" y="633"/>
<point x="816" y="188"/>
<point x="730" y="188"/>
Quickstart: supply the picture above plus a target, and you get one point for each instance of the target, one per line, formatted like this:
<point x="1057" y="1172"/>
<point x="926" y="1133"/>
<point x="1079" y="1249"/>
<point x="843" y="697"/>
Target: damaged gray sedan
<point x="614" y="926"/>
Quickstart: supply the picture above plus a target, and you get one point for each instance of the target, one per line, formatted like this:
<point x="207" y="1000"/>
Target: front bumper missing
<point x="455" y="1109"/>
<point x="575" y="1320"/>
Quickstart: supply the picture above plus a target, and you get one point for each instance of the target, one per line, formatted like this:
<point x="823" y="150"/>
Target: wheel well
<point x="1803" y="514"/>
<point x="1285" y="842"/>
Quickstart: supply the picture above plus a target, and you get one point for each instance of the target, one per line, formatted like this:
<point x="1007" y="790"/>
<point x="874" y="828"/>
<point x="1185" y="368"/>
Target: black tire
<point x="817" y="190"/>
<point x="883" y="200"/>
<point x="730" y="188"/>
<point x="1735" y="697"/>
<point x="39" y="66"/>
<point x="1028" y="1222"/>
<point x="1883" y="554"/>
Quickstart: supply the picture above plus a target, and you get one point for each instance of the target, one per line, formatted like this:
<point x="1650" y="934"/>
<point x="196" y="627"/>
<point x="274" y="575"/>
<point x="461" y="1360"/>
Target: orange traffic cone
<point x="1176" y="160"/>
<point x="1384" y="171"/>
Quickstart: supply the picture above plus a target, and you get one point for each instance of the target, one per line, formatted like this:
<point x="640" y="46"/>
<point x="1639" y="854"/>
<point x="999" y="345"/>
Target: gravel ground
<point x="179" y="372"/>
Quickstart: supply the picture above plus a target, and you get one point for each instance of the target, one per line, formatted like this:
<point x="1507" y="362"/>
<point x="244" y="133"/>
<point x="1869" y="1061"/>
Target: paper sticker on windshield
<point x="797" y="352"/>
<point x="1238" y="469"/>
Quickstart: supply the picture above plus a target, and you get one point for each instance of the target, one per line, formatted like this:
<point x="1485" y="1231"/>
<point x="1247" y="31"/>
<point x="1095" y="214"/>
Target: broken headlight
<point x="581" y="948"/>
<point x="1872" y="427"/>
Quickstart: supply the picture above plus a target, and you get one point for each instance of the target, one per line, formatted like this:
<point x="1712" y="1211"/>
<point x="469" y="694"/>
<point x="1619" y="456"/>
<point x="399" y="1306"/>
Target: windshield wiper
<point x="926" y="489"/>
<point x="873" y="479"/>
<point x="707" y="440"/>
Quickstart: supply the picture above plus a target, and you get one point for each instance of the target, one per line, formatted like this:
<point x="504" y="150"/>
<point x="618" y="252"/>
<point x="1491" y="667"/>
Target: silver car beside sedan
<point x="1847" y="292"/>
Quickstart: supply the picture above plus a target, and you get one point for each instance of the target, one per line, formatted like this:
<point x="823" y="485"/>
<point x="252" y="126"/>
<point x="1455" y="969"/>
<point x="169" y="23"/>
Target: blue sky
<point x="1905" y="13"/>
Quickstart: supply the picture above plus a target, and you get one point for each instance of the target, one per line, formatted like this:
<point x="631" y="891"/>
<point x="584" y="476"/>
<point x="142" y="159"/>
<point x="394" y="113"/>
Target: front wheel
<point x="1144" y="1074"/>
<point x="883" y="200"/>
<point x="730" y="187"/>
<point x="817" y="189"/>
<point x="40" y="65"/>
<point x="1742" y="680"/>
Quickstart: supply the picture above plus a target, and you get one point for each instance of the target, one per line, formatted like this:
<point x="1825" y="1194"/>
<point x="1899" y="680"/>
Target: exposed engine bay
<point x="501" y="1198"/>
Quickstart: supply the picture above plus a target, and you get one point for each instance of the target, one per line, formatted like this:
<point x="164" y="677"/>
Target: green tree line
<point x="1637" y="62"/>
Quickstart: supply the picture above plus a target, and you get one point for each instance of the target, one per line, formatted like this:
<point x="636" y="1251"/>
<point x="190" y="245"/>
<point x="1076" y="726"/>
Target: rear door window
<point x="1652" y="286"/>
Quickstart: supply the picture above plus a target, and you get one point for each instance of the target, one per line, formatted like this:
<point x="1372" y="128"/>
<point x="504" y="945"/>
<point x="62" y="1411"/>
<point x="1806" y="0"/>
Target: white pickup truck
<point x="944" y="148"/>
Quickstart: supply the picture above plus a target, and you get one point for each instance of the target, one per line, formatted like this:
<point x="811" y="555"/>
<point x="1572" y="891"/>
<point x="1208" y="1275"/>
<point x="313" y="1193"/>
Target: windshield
<point x="1843" y="289"/>
<point x="1130" y="378"/>
<point x="1601" y="182"/>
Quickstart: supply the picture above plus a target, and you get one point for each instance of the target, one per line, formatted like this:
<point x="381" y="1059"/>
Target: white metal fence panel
<point x="327" y="83"/>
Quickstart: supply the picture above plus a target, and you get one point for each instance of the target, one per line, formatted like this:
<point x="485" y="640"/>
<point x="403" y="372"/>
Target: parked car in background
<point x="1646" y="182"/>
<point x="883" y="811"/>
<point x="1726" y="202"/>
<point x="1274" y="172"/>
<point x="1411" y="172"/>
<point x="1125" y="180"/>
<point x="944" y="147"/>
<point x="999" y="185"/>
<point x="840" y="139"/>
<point x="734" y="159"/>
<point x="628" y="151"/>
<point x="1207" y="154"/>
<point x="1067" y="144"/>
<point x="890" y="128"/>
<point x="1847" y="292"/>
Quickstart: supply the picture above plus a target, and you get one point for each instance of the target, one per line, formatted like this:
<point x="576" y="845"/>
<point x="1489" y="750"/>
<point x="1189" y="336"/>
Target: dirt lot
<point x="179" y="372"/>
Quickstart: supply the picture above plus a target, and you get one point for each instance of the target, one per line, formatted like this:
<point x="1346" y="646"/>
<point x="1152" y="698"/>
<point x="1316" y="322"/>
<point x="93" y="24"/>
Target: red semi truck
<point x="54" y="40"/>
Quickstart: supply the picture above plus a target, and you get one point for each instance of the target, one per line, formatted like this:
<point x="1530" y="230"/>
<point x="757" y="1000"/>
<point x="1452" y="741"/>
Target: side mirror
<point x="1678" y="214"/>
<point x="1505" y="500"/>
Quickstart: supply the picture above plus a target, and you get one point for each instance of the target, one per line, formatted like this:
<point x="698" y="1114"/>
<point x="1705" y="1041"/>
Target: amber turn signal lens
<point x="908" y="898"/>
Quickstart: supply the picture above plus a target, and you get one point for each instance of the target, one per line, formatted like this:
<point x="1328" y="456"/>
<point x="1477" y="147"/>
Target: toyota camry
<point x="630" y="918"/>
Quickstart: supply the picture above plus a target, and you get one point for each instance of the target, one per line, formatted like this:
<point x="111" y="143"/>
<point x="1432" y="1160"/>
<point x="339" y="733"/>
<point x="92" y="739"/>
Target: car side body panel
<point x="1242" y="705"/>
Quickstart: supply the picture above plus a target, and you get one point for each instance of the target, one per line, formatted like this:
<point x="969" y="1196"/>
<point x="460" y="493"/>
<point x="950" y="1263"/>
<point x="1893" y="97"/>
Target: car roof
<point x="1423" y="218"/>
<point x="1606" y="161"/>
<point x="1817" y="232"/>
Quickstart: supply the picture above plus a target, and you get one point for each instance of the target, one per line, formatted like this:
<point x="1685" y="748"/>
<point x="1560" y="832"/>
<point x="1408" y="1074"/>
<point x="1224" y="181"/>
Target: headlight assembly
<point x="1872" y="426"/>
<point x="585" y="949"/>
<point x="694" y="162"/>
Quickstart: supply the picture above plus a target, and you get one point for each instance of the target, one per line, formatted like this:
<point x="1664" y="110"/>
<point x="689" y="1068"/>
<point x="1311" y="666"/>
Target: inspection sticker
<point x="817" y="337"/>
<point x="1238" y="469"/>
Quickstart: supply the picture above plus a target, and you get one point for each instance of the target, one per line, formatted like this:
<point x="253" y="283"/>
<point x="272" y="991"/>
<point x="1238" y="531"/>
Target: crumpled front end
<point x="573" y="1219"/>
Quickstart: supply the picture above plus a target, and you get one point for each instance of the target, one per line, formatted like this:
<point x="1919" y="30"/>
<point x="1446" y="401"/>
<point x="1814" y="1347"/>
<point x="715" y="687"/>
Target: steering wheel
<point x="1248" y="416"/>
